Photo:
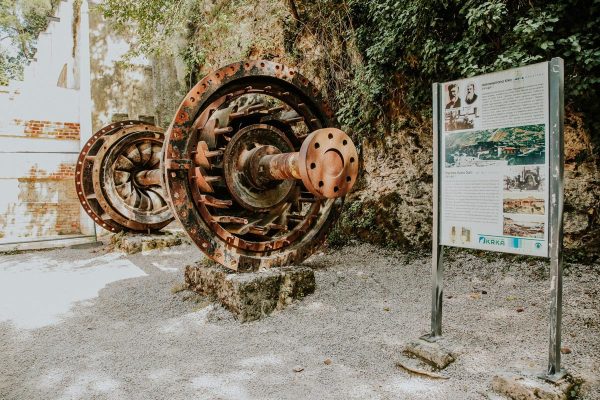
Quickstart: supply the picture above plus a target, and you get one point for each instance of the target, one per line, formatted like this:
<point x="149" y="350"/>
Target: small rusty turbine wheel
<point x="118" y="178"/>
<point x="254" y="167"/>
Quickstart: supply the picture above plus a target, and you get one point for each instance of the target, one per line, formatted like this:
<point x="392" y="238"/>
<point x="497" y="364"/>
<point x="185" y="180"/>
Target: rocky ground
<point x="95" y="324"/>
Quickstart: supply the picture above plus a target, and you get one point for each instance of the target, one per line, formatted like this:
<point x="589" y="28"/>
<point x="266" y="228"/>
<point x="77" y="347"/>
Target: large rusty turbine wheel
<point x="118" y="178"/>
<point x="254" y="167"/>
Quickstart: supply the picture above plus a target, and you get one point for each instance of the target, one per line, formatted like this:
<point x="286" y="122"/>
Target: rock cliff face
<point x="582" y="188"/>
<point x="392" y="204"/>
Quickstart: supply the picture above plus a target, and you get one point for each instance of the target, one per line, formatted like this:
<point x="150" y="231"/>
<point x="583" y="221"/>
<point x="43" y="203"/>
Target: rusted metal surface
<point x="280" y="166"/>
<point x="118" y="178"/>
<point x="328" y="163"/>
<point x="149" y="177"/>
<point x="254" y="167"/>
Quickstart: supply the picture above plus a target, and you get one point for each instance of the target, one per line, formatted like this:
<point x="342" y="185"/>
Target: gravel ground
<point x="138" y="340"/>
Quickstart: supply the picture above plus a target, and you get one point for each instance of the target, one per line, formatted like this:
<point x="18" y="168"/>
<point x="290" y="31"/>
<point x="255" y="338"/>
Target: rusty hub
<point x="254" y="168"/>
<point x="118" y="178"/>
<point x="243" y="175"/>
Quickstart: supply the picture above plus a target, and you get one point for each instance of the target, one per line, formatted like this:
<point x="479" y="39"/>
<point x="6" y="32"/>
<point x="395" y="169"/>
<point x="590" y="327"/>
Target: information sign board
<point x="498" y="169"/>
<point x="494" y="161"/>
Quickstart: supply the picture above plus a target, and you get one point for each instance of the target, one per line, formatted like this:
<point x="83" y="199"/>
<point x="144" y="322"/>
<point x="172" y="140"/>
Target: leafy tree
<point x="21" y="21"/>
<point x="155" y="21"/>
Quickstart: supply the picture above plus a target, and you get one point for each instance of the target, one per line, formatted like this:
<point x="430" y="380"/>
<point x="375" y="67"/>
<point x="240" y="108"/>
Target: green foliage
<point x="210" y="30"/>
<point x="155" y="22"/>
<point x="190" y="29"/>
<point x="371" y="221"/>
<point x="408" y="45"/>
<point x="21" y="21"/>
<point x="375" y="53"/>
<point x="353" y="219"/>
<point x="193" y="58"/>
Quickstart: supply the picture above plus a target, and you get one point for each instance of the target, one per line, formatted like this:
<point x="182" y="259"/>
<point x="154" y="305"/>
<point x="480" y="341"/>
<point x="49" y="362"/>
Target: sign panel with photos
<point x="494" y="162"/>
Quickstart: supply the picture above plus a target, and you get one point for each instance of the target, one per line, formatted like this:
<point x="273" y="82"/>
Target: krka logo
<point x="493" y="242"/>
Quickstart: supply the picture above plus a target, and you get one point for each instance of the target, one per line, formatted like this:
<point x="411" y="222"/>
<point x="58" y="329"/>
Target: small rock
<point x="298" y="368"/>
<point x="327" y="361"/>
<point x="529" y="387"/>
<point x="435" y="354"/>
<point x="449" y="297"/>
<point x="484" y="292"/>
<point x="520" y="309"/>
<point x="565" y="350"/>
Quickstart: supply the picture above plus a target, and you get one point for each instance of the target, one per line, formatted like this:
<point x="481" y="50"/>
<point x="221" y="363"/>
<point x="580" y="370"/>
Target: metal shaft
<point x="281" y="166"/>
<point x="150" y="177"/>
<point x="327" y="164"/>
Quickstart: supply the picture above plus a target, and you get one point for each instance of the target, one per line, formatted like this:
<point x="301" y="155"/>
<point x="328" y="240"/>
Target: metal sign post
<point x="437" y="253"/>
<point x="556" y="105"/>
<point x="444" y="123"/>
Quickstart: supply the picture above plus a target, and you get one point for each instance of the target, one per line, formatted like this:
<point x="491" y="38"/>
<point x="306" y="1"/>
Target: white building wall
<point x="45" y="120"/>
<point x="40" y="132"/>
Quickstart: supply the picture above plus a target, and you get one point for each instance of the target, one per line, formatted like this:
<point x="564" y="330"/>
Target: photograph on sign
<point x="494" y="161"/>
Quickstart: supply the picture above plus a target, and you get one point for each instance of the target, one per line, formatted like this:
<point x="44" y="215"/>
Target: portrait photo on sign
<point x="519" y="145"/>
<point x="471" y="95"/>
<point x="462" y="109"/>
<point x="452" y="96"/>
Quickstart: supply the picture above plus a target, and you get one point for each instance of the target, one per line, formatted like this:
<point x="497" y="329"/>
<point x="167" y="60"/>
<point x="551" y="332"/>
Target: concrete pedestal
<point x="251" y="295"/>
<point x="132" y="243"/>
<point x="433" y="353"/>
<point x="523" y="387"/>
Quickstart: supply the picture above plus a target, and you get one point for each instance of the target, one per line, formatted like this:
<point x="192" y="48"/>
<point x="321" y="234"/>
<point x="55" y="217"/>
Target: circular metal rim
<point x="178" y="163"/>
<point x="116" y="199"/>
<point x="83" y="174"/>
<point x="99" y="178"/>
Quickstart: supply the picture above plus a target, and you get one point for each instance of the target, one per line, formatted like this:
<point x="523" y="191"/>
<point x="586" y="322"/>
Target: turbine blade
<point x="121" y="177"/>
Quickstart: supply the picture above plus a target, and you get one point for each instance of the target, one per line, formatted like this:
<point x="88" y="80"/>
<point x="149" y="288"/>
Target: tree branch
<point x="293" y="10"/>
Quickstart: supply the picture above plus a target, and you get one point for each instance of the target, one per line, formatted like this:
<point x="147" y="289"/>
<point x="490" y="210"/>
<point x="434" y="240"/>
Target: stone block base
<point x="251" y="295"/>
<point x="434" y="354"/>
<point x="523" y="387"/>
<point x="132" y="243"/>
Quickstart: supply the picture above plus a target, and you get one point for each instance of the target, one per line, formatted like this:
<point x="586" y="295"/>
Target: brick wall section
<point x="49" y="129"/>
<point x="50" y="197"/>
<point x="65" y="171"/>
